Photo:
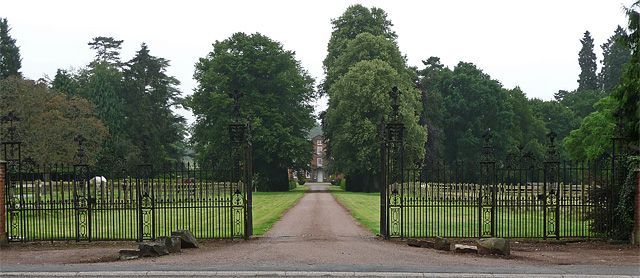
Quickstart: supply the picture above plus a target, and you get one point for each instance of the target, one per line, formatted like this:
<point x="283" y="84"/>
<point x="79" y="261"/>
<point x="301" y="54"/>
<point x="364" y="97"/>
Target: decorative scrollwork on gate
<point x="237" y="201"/>
<point x="81" y="201"/>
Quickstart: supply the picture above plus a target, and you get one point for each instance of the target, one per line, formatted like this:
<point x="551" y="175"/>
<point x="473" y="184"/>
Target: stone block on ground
<point x="187" y="239"/>
<point x="441" y="243"/>
<point x="420" y="243"/>
<point x="461" y="248"/>
<point x="173" y="243"/>
<point x="493" y="246"/>
<point x="129" y="254"/>
<point x="152" y="249"/>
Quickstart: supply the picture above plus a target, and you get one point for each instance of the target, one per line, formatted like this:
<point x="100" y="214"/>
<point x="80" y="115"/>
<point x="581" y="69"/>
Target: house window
<point x="319" y="150"/>
<point x="319" y="162"/>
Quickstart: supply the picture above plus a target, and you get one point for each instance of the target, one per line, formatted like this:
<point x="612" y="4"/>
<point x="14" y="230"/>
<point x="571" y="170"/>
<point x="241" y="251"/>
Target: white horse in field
<point x="99" y="183"/>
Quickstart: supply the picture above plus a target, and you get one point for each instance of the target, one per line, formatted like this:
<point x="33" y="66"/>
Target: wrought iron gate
<point x="514" y="197"/>
<point x="57" y="202"/>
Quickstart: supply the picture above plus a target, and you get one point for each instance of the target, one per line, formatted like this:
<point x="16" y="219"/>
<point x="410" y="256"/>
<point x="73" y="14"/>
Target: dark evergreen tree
<point x="10" y="61"/>
<point x="616" y="54"/>
<point x="587" y="60"/>
<point x="149" y="96"/>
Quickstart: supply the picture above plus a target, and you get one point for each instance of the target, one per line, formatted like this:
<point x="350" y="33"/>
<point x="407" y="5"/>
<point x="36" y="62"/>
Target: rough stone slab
<point x="420" y="243"/>
<point x="493" y="246"/>
<point x="152" y="249"/>
<point x="129" y="254"/>
<point x="187" y="239"/>
<point x="173" y="243"/>
<point x="461" y="248"/>
<point x="441" y="243"/>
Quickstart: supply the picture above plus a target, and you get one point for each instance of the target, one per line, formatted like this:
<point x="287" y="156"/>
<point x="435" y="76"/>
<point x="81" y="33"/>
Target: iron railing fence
<point x="61" y="202"/>
<point x="514" y="200"/>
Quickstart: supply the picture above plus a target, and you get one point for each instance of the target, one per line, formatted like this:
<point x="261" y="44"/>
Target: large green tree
<point x="355" y="20"/>
<point x="149" y="95"/>
<point x="616" y="54"/>
<point x="628" y="91"/>
<point x="362" y="65"/>
<point x="593" y="138"/>
<point x="277" y="102"/>
<point x="587" y="60"/>
<point x="556" y="117"/>
<point x="10" y="61"/>
<point x="49" y="121"/>
<point x="358" y="104"/>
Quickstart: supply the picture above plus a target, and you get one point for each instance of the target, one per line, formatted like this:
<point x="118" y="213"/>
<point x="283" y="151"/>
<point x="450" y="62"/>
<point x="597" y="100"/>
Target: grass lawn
<point x="364" y="207"/>
<point x="268" y="207"/>
<point x="118" y="219"/>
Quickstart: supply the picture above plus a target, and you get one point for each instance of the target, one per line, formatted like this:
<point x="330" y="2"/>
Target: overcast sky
<point x="531" y="44"/>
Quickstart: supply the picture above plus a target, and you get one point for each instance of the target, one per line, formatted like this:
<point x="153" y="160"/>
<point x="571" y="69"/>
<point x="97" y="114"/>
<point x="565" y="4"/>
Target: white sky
<point x="531" y="44"/>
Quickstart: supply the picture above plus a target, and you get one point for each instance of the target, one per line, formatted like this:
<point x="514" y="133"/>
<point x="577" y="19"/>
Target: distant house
<point x="317" y="161"/>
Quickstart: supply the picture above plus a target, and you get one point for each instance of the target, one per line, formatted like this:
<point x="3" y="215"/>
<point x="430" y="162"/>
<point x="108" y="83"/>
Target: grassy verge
<point x="364" y="207"/>
<point x="268" y="207"/>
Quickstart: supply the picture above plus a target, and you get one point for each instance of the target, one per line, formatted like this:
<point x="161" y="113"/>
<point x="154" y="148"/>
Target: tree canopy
<point x="10" y="61"/>
<point x="588" y="66"/>
<point x="277" y="94"/>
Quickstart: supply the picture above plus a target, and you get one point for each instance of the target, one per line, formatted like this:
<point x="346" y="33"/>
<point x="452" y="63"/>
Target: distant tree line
<point x="447" y="110"/>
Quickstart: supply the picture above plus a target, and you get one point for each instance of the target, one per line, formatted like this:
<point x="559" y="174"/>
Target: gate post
<point x="383" y="181"/>
<point x="393" y="172"/>
<point x="12" y="181"/>
<point x="145" y="202"/>
<point x="3" y="212"/>
<point x="241" y="173"/>
<point x="486" y="202"/>
<point x="81" y="194"/>
<point x="551" y="190"/>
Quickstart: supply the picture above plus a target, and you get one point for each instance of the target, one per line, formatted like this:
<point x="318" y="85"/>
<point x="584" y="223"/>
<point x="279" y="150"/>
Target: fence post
<point x="551" y="188"/>
<point x="394" y="170"/>
<point x="3" y="212"/>
<point x="145" y="203"/>
<point x="241" y="173"/>
<point x="635" y="237"/>
<point x="383" y="182"/>
<point x="486" y="202"/>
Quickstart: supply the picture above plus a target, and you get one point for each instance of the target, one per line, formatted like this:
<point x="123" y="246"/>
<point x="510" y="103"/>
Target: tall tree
<point x="49" y="121"/>
<point x="362" y="64"/>
<point x="149" y="95"/>
<point x="587" y="60"/>
<point x="277" y="101"/>
<point x="593" y="138"/>
<point x="359" y="103"/>
<point x="616" y="54"/>
<point x="430" y="79"/>
<point x="355" y="20"/>
<point x="66" y="82"/>
<point x="10" y="61"/>
<point x="107" y="50"/>
<point x="628" y="92"/>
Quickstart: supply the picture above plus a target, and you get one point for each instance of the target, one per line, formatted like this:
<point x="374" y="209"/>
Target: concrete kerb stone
<point x="291" y="274"/>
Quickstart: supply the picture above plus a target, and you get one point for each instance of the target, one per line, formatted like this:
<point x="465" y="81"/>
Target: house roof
<point x="315" y="131"/>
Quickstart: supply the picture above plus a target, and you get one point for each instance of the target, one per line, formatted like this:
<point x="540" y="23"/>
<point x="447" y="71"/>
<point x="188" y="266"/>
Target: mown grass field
<point x="118" y="220"/>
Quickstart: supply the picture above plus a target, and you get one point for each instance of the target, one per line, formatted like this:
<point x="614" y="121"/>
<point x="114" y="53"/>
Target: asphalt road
<point x="318" y="237"/>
